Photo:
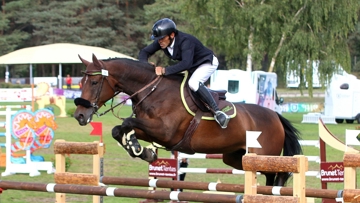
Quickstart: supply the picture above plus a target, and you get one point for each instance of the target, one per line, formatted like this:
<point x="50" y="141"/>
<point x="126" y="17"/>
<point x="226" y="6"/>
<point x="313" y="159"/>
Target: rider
<point x="191" y="54"/>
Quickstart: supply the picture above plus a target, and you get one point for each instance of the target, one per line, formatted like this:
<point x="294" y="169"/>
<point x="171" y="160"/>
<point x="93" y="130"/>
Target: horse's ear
<point x="83" y="60"/>
<point x="96" y="61"/>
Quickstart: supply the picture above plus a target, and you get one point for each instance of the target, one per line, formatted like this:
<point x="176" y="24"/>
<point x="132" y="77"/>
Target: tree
<point x="285" y="31"/>
<point x="102" y="23"/>
<point x="320" y="34"/>
<point x="354" y="46"/>
<point x="12" y="36"/>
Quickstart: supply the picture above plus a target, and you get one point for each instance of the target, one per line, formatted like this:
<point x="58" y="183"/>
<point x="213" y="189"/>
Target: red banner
<point x="332" y="172"/>
<point x="97" y="128"/>
<point x="166" y="168"/>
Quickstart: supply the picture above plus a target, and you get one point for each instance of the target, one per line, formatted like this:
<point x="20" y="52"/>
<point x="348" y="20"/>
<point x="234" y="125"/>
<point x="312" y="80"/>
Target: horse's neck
<point x="135" y="82"/>
<point x="134" y="77"/>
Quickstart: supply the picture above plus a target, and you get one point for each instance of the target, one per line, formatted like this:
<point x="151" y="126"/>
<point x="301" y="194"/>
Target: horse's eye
<point x="94" y="82"/>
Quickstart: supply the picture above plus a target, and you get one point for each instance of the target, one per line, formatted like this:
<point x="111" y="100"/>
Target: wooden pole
<point x="62" y="177"/>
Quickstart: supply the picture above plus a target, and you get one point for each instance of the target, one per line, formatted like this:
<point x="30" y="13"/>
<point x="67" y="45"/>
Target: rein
<point x="158" y="79"/>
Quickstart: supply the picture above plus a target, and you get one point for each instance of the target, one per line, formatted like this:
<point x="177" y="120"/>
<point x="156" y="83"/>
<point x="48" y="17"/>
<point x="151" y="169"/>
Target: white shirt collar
<point x="171" y="47"/>
<point x="172" y="44"/>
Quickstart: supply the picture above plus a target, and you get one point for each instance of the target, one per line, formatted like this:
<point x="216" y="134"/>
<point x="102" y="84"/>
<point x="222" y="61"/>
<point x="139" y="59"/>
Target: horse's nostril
<point x="78" y="116"/>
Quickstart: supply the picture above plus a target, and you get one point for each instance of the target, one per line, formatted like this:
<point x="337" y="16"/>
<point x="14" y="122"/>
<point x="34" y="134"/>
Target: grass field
<point x="118" y="163"/>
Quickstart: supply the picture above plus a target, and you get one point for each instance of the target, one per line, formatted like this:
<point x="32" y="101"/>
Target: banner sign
<point x="15" y="94"/>
<point x="332" y="172"/>
<point x="166" y="168"/>
<point x="302" y="107"/>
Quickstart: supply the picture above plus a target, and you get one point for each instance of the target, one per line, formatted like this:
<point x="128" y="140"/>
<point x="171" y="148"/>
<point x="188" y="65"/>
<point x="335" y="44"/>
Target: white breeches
<point x="202" y="74"/>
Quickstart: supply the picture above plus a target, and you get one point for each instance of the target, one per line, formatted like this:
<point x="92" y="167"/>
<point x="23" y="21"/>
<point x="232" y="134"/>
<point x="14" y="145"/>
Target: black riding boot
<point x="219" y="116"/>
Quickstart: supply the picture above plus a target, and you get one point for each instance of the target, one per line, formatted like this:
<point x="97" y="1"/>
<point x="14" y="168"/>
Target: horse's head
<point x="97" y="88"/>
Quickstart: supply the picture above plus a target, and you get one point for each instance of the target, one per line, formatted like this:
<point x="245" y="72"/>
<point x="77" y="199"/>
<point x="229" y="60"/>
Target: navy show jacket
<point x="188" y="50"/>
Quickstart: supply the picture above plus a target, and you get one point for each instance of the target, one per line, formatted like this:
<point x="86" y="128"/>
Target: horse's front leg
<point x="127" y="139"/>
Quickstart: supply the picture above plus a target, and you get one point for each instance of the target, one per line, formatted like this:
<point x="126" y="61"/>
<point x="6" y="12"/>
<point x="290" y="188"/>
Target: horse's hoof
<point x="149" y="155"/>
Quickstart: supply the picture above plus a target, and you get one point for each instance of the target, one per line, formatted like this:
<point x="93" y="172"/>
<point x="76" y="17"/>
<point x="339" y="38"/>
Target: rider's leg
<point x="196" y="83"/>
<point x="219" y="116"/>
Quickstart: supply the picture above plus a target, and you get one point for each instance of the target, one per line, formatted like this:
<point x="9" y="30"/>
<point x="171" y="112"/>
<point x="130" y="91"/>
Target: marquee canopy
<point x="59" y="53"/>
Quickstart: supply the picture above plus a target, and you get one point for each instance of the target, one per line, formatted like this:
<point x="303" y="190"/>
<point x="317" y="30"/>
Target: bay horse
<point x="161" y="116"/>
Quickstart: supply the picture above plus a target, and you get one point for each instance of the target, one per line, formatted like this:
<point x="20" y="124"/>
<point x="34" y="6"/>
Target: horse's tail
<point x="292" y="136"/>
<point x="291" y="147"/>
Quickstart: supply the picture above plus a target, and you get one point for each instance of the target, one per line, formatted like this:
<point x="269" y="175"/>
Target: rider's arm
<point x="187" y="55"/>
<point x="148" y="51"/>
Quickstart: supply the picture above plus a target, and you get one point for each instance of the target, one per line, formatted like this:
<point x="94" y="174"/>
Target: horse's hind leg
<point x="129" y="142"/>
<point x="281" y="178"/>
<point x="234" y="159"/>
<point x="270" y="178"/>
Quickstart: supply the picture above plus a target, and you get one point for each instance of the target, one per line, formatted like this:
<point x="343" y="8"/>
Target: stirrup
<point x="223" y="123"/>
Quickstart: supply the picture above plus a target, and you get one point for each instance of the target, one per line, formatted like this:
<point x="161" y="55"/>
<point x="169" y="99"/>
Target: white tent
<point x="59" y="53"/>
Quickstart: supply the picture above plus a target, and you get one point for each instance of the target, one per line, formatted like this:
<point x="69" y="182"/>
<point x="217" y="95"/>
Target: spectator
<point x="183" y="163"/>
<point x="68" y="81"/>
<point x="80" y="85"/>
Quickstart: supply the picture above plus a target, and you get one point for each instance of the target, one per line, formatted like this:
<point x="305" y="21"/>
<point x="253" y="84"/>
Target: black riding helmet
<point x="162" y="28"/>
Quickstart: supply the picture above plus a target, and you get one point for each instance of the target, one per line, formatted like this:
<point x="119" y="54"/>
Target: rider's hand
<point x="159" y="70"/>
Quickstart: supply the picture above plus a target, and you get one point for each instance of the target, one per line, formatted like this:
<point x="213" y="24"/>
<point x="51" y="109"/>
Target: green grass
<point x="118" y="163"/>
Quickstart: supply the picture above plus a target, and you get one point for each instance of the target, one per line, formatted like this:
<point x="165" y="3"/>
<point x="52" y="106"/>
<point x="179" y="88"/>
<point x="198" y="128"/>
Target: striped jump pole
<point x="120" y="192"/>
<point x="213" y="170"/>
<point x="349" y="195"/>
<point x="230" y="171"/>
<point x="220" y="156"/>
<point x="220" y="187"/>
<point x="314" y="143"/>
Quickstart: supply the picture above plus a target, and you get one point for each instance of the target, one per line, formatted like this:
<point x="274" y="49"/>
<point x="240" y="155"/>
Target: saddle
<point x="193" y="103"/>
<point x="191" y="98"/>
<point x="199" y="110"/>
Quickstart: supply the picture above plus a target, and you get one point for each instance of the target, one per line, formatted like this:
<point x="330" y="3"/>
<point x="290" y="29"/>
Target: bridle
<point x="86" y="103"/>
<point x="105" y="74"/>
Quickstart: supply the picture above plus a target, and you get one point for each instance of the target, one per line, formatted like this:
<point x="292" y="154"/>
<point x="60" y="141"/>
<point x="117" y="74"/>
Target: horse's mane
<point x="133" y="63"/>
<point x="143" y="67"/>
